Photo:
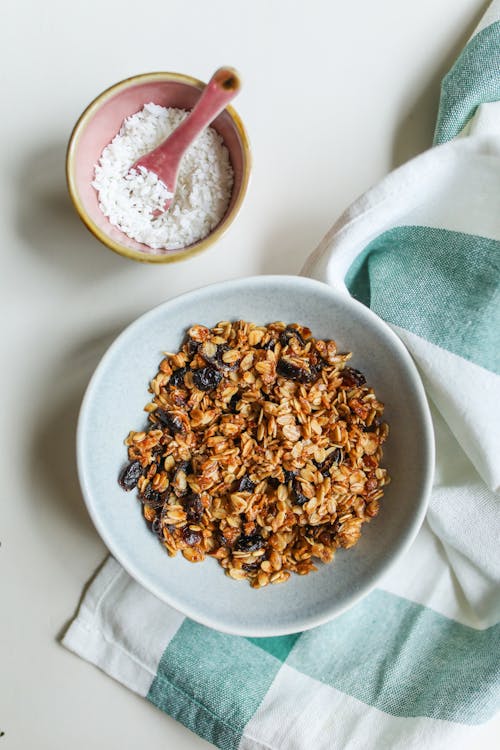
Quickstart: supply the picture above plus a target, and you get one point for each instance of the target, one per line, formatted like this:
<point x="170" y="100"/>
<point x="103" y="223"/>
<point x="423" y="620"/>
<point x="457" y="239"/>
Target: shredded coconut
<point x="130" y="198"/>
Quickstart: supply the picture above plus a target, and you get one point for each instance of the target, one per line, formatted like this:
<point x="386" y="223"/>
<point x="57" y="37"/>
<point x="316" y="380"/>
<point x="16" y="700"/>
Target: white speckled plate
<point x="113" y="405"/>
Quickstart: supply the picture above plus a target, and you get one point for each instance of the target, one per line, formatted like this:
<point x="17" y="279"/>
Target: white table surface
<point x="335" y="95"/>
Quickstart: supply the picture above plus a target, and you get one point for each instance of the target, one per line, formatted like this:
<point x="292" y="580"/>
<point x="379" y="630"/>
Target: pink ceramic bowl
<point x="101" y="121"/>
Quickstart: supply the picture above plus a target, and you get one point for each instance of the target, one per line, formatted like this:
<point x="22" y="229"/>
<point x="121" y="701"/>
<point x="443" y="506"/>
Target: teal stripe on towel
<point x="406" y="660"/>
<point x="441" y="285"/>
<point x="279" y="646"/>
<point x="473" y="80"/>
<point x="212" y="683"/>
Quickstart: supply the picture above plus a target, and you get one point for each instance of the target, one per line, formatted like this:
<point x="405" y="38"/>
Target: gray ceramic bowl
<point x="113" y="405"/>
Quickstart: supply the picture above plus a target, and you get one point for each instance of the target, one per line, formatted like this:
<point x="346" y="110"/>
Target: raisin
<point x="374" y="425"/>
<point x="219" y="362"/>
<point x="289" y="333"/>
<point x="130" y="475"/>
<point x="192" y="347"/>
<point x="289" y="370"/>
<point x="232" y="403"/>
<point x="297" y="495"/>
<point x="192" y="538"/>
<point x="185" y="466"/>
<point x="273" y="483"/>
<point x="251" y="567"/>
<point x="246" y="484"/>
<point x="352" y="378"/>
<point x="194" y="508"/>
<point x="335" y="457"/>
<point x="177" y="377"/>
<point x="249" y="542"/>
<point x="156" y="528"/>
<point x="152" y="498"/>
<point x="270" y="344"/>
<point x="207" y="378"/>
<point x="220" y="538"/>
<point x="289" y="475"/>
<point x="171" y="422"/>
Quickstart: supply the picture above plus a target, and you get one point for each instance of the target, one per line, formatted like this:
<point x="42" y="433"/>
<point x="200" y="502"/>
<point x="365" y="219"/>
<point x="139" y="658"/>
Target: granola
<point x="262" y="450"/>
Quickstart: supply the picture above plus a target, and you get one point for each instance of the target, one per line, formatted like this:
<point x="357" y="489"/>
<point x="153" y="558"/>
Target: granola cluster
<point x="262" y="450"/>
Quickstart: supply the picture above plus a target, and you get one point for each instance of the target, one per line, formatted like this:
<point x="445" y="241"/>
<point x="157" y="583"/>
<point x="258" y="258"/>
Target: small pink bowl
<point x="101" y="121"/>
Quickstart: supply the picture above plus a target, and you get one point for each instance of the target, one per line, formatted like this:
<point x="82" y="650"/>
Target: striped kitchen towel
<point x="416" y="663"/>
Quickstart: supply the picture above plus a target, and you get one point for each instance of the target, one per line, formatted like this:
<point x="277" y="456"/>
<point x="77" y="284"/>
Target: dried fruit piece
<point x="269" y="345"/>
<point x="207" y="378"/>
<point x="172" y="422"/>
<point x="251" y="567"/>
<point x="194" y="508"/>
<point x="156" y="528"/>
<point x="334" y="458"/>
<point x="177" y="377"/>
<point x="293" y="371"/>
<point x="249" y="543"/>
<point x="222" y="359"/>
<point x="191" y="537"/>
<point x="192" y="347"/>
<point x="289" y="333"/>
<point x="150" y="497"/>
<point x="232" y="403"/>
<point x="298" y="497"/>
<point x="246" y="484"/>
<point x="352" y="378"/>
<point x="130" y="475"/>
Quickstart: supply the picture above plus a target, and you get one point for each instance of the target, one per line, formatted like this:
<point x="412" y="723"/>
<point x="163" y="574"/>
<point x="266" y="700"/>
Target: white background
<point x="335" y="95"/>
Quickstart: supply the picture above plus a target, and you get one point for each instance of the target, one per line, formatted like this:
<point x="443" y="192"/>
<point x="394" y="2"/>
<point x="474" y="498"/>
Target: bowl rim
<point x="403" y="542"/>
<point x="82" y="122"/>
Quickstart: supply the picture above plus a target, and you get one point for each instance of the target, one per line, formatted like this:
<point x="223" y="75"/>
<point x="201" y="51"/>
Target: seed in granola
<point x="352" y="378"/>
<point x="177" y="377"/>
<point x="191" y="537"/>
<point x="249" y="543"/>
<point x="171" y="421"/>
<point x="194" y="507"/>
<point x="207" y="378"/>
<point x="130" y="475"/>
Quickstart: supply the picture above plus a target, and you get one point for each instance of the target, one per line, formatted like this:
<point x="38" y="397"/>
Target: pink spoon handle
<point x="164" y="160"/>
